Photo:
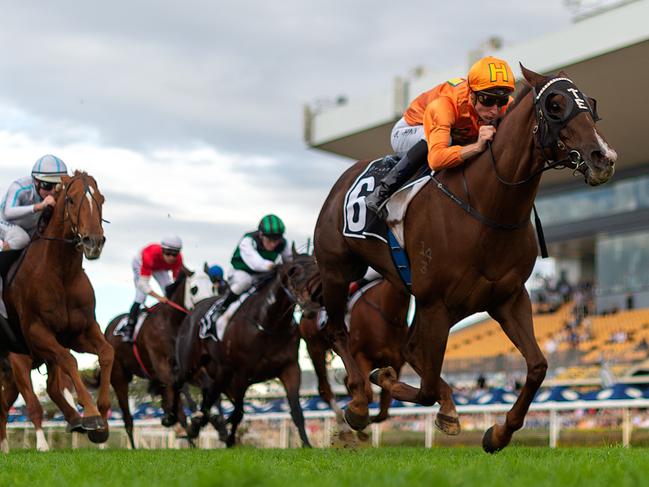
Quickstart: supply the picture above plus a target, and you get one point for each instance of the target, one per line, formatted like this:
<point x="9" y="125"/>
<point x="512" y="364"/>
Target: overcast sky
<point x="189" y="114"/>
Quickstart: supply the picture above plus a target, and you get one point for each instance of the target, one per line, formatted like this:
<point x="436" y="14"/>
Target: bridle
<point x="68" y="201"/>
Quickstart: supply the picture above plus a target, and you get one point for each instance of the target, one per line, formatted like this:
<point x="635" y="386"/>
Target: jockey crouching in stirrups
<point x="155" y="260"/>
<point x="256" y="253"/>
<point x="21" y="207"/>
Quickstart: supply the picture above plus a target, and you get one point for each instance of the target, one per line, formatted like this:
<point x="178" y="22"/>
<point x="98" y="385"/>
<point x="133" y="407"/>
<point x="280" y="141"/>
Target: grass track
<point x="306" y="468"/>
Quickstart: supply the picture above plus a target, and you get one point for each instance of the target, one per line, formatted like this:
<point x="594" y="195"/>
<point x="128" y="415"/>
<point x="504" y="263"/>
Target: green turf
<point x="332" y="467"/>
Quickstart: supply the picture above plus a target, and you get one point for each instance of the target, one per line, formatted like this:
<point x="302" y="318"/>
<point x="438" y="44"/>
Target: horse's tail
<point x="90" y="378"/>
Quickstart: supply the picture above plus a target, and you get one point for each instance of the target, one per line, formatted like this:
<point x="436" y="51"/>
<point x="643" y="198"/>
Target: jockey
<point x="449" y="124"/>
<point x="26" y="198"/>
<point x="256" y="254"/>
<point x="215" y="273"/>
<point x="155" y="260"/>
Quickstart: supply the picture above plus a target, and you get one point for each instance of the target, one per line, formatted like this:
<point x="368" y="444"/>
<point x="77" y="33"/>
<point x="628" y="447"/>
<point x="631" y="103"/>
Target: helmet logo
<point x="496" y="70"/>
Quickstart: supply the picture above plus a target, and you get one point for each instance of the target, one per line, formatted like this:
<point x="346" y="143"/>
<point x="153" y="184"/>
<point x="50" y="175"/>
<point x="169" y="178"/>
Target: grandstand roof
<point x="605" y="55"/>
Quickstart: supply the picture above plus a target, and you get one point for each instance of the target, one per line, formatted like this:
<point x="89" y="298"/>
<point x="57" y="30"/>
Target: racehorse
<point x="471" y="245"/>
<point x="15" y="378"/>
<point x="377" y="331"/>
<point x="260" y="342"/>
<point x="52" y="299"/>
<point x="152" y="354"/>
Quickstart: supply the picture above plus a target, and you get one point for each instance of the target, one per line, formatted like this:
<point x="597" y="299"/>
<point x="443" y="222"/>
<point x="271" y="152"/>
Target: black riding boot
<point x="130" y="324"/>
<point x="229" y="298"/>
<point x="414" y="159"/>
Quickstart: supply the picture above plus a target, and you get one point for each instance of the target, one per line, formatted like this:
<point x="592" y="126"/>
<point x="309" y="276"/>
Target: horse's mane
<point x="171" y="288"/>
<point x="525" y="89"/>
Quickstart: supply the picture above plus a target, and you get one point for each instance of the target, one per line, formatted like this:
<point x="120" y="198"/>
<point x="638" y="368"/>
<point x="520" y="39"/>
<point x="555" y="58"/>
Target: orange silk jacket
<point x="449" y="119"/>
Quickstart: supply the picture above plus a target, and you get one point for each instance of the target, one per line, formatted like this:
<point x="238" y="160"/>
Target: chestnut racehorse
<point x="51" y="297"/>
<point x="377" y="332"/>
<point x="471" y="245"/>
<point x="156" y="345"/>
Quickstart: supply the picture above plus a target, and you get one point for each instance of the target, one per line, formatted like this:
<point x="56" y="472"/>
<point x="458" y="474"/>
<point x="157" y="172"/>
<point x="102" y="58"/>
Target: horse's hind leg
<point x="22" y="367"/>
<point x="425" y="352"/>
<point x="239" y="388"/>
<point x="515" y="318"/>
<point x="8" y="396"/>
<point x="290" y="378"/>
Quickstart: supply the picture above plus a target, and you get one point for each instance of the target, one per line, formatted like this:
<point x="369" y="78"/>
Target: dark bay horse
<point x="52" y="299"/>
<point x="260" y="342"/>
<point x="468" y="257"/>
<point x="156" y="344"/>
<point x="15" y="378"/>
<point x="377" y="331"/>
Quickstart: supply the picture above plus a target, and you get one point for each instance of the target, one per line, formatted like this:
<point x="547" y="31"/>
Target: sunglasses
<point x="170" y="253"/>
<point x="46" y="185"/>
<point x="491" y="100"/>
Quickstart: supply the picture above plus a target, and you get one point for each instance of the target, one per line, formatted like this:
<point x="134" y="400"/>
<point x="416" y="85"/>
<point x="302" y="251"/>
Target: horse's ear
<point x="293" y="251"/>
<point x="532" y="78"/>
<point x="205" y="268"/>
<point x="188" y="272"/>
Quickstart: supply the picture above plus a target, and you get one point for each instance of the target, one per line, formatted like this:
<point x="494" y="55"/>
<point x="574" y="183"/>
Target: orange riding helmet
<point x="493" y="75"/>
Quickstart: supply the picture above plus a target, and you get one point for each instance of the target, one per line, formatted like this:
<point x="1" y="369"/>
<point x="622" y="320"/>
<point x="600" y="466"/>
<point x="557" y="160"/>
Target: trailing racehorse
<point x="377" y="332"/>
<point x="50" y="300"/>
<point x="151" y="356"/>
<point x="471" y="244"/>
<point x="260" y="342"/>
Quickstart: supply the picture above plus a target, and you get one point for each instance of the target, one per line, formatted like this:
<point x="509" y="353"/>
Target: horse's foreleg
<point x="317" y="351"/>
<point x="335" y="295"/>
<point x="515" y="318"/>
<point x="56" y="392"/>
<point x="120" y="381"/>
<point x="45" y="345"/>
<point x="239" y="388"/>
<point x="290" y="378"/>
<point x="22" y="367"/>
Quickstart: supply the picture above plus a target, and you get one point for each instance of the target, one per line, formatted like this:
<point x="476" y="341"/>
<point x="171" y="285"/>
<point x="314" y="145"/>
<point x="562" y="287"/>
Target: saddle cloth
<point x="119" y="329"/>
<point x="321" y="319"/>
<point x="212" y="325"/>
<point x="358" y="222"/>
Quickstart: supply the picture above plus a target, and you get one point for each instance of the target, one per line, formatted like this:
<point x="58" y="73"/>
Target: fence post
<point x="283" y="434"/>
<point x="376" y="435"/>
<point x="429" y="430"/>
<point x="626" y="427"/>
<point x="326" y="434"/>
<point x="554" y="428"/>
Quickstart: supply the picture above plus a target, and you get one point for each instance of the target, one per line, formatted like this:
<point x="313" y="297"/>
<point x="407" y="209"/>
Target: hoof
<point x="448" y="424"/>
<point x="219" y="425"/>
<point x="374" y="377"/>
<point x="92" y="423"/>
<point x="168" y="420"/>
<point x="193" y="430"/>
<point x="355" y="421"/>
<point x="98" y="436"/>
<point x="75" y="426"/>
<point x="377" y="376"/>
<point x="362" y="436"/>
<point x="487" y="442"/>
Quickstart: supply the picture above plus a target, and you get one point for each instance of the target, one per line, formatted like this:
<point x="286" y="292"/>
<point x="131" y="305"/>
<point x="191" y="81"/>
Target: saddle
<point x="11" y="337"/>
<point x="214" y="322"/>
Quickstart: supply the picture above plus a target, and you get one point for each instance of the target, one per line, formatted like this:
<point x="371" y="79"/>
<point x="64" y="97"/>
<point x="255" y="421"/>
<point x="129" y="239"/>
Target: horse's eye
<point x="555" y="107"/>
<point x="194" y="290"/>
